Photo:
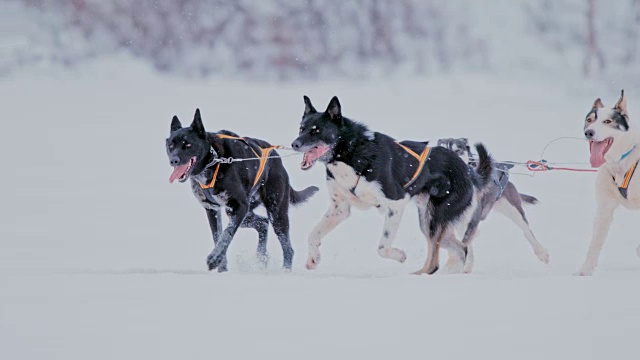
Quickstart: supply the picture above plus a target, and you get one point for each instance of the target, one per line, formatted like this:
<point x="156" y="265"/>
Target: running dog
<point x="369" y="169"/>
<point x="613" y="143"/>
<point x="500" y="195"/>
<point x="222" y="185"/>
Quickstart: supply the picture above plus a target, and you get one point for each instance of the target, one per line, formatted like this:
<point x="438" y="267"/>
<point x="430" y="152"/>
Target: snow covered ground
<point x="101" y="258"/>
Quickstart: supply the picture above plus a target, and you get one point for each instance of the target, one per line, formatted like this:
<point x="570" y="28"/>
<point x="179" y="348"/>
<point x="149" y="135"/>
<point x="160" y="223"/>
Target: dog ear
<point x="196" y="125"/>
<point x="597" y="104"/>
<point x="308" y="107"/>
<point x="175" y="124"/>
<point x="334" y="109"/>
<point x="621" y="105"/>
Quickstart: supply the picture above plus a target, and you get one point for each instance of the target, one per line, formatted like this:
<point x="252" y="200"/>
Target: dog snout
<point x="589" y="134"/>
<point x="174" y="161"/>
<point x="296" y="145"/>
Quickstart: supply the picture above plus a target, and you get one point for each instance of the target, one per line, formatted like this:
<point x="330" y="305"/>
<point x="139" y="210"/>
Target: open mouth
<point x="312" y="155"/>
<point x="598" y="150"/>
<point x="181" y="172"/>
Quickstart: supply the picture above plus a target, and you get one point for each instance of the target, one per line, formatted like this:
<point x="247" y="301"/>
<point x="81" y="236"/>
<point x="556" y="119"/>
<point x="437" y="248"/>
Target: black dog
<point x="366" y="168"/>
<point x="238" y="188"/>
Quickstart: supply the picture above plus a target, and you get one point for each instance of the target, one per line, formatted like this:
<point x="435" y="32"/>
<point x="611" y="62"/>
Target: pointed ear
<point x="308" y="107"/>
<point x="621" y="105"/>
<point x="175" y="124"/>
<point x="597" y="104"/>
<point x="196" y="125"/>
<point x="334" y="109"/>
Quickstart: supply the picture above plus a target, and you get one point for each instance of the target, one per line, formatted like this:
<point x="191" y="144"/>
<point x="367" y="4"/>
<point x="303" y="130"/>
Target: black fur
<point x="620" y="120"/>
<point x="377" y="157"/>
<point x="235" y="183"/>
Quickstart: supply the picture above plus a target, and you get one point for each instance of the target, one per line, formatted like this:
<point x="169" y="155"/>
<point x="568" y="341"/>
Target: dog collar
<point x="628" y="152"/>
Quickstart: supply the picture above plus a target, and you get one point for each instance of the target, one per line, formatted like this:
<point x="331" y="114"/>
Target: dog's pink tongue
<point x="178" y="171"/>
<point x="598" y="149"/>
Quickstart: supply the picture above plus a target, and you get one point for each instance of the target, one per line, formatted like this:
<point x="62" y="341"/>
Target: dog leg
<point x="433" y="237"/>
<point x="433" y="251"/>
<point x="339" y="210"/>
<point x="261" y="225"/>
<point x="215" y="223"/>
<point x="457" y="252"/>
<point x="514" y="211"/>
<point x="470" y="233"/>
<point x="391" y="223"/>
<point x="468" y="264"/>
<point x="236" y="214"/>
<point x="278" y="214"/>
<point x="602" y="223"/>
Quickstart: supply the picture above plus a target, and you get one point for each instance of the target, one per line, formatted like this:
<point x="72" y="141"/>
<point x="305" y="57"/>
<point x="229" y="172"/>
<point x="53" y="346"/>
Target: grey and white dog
<point x="500" y="195"/>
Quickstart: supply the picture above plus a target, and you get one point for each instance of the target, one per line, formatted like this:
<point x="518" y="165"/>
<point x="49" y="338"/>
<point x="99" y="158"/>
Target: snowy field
<point x="101" y="258"/>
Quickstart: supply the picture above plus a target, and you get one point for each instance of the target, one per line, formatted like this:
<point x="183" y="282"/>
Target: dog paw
<point x="583" y="272"/>
<point x="429" y="271"/>
<point x="263" y="260"/>
<point x="403" y="257"/>
<point x="312" y="262"/>
<point x="543" y="255"/>
<point x="217" y="261"/>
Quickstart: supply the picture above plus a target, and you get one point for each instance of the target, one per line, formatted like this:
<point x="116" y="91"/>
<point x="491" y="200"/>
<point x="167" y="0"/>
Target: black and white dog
<point x="236" y="188"/>
<point x="370" y="169"/>
<point x="501" y="195"/>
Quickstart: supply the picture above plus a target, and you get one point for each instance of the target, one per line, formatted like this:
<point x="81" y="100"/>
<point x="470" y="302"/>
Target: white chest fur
<point x="359" y="192"/>
<point x="220" y="199"/>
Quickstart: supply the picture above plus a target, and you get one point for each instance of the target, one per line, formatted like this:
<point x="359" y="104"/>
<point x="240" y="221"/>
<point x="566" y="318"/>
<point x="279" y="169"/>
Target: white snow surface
<point x="101" y="258"/>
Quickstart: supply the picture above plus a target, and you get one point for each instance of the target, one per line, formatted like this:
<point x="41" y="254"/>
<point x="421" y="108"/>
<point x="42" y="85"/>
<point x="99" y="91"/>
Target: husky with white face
<point x="614" y="143"/>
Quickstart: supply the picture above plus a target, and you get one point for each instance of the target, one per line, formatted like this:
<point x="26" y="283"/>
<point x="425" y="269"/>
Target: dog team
<point x="453" y="189"/>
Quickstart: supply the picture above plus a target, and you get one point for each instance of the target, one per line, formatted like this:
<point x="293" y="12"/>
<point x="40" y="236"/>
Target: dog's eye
<point x="608" y="121"/>
<point x="171" y="146"/>
<point x="589" y="120"/>
<point x="301" y="129"/>
<point x="315" y="131"/>
<point x="187" y="145"/>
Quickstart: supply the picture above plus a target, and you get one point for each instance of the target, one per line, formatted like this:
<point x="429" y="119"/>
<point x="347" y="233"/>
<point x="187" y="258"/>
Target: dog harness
<point x="627" y="179"/>
<point x="422" y="159"/>
<point x="263" y="156"/>
<point x="501" y="177"/>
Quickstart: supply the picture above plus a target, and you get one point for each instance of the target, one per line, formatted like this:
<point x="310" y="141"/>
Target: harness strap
<point x="422" y="159"/>
<point x="263" y="160"/>
<point x="627" y="179"/>
<point x="223" y="136"/>
<point x="213" y="180"/>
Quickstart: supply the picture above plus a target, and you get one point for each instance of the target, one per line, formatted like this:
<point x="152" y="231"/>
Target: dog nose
<point x="174" y="161"/>
<point x="589" y="134"/>
<point x="296" y="145"/>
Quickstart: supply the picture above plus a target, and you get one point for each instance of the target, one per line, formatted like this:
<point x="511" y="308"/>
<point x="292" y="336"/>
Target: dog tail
<point x="299" y="197"/>
<point x="485" y="165"/>
<point x="528" y="199"/>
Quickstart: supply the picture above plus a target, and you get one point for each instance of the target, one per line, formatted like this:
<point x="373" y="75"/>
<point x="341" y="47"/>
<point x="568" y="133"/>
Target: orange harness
<point x="263" y="156"/>
<point x="422" y="159"/>
<point x="627" y="179"/>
